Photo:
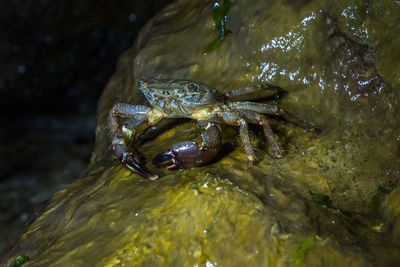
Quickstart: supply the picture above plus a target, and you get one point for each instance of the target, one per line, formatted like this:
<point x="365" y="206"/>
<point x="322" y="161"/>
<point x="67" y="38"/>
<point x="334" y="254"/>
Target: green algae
<point x="277" y="98"/>
<point x="322" y="200"/>
<point x="92" y="163"/>
<point x="214" y="213"/>
<point x="219" y="17"/>
<point x="376" y="199"/>
<point x="304" y="247"/>
<point x="20" y="260"/>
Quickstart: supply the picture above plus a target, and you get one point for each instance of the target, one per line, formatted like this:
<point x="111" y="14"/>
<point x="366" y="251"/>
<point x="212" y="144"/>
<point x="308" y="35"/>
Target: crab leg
<point x="236" y="118"/>
<point x="244" y="136"/>
<point x="272" y="110"/>
<point x="252" y="92"/>
<point x="189" y="154"/>
<point x="260" y="119"/>
<point x="138" y="117"/>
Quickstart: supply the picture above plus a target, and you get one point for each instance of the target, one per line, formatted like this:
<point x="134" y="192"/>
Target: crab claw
<point x="129" y="161"/>
<point x="185" y="155"/>
<point x="164" y="156"/>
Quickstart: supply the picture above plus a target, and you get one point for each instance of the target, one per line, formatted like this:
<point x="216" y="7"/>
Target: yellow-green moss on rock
<point x="338" y="61"/>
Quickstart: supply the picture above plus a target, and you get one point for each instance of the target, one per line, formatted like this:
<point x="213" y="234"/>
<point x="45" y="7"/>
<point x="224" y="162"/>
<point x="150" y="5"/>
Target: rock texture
<point x="338" y="60"/>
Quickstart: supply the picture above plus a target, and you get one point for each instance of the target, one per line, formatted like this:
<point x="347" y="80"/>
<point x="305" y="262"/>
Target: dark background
<point x="55" y="59"/>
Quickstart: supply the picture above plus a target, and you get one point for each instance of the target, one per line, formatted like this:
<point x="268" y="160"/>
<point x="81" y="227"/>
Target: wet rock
<point x="331" y="200"/>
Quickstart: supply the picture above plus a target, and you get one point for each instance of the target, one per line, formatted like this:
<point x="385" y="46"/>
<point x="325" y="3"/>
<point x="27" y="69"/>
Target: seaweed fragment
<point x="304" y="247"/>
<point x="277" y="98"/>
<point x="322" y="200"/>
<point x="92" y="163"/>
<point x="21" y="259"/>
<point x="375" y="201"/>
<point x="381" y="192"/>
<point x="219" y="16"/>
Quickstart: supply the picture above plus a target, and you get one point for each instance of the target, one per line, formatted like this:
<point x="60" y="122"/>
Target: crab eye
<point x="140" y="84"/>
<point x="193" y="86"/>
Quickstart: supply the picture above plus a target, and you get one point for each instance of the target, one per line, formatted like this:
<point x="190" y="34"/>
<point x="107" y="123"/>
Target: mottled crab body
<point x="180" y="98"/>
<point x="188" y="99"/>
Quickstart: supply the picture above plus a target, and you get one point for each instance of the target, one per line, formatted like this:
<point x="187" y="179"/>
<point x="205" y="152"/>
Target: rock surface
<point x="338" y="60"/>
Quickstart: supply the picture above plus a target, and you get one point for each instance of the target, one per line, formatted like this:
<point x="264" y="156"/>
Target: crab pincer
<point x="186" y="154"/>
<point x="134" y="166"/>
<point x="131" y="161"/>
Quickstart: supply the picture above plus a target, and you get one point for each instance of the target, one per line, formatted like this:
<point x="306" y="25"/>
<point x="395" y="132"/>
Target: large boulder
<point x="332" y="200"/>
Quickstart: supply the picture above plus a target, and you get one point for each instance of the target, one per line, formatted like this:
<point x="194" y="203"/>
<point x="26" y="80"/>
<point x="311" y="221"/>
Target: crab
<point x="187" y="99"/>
